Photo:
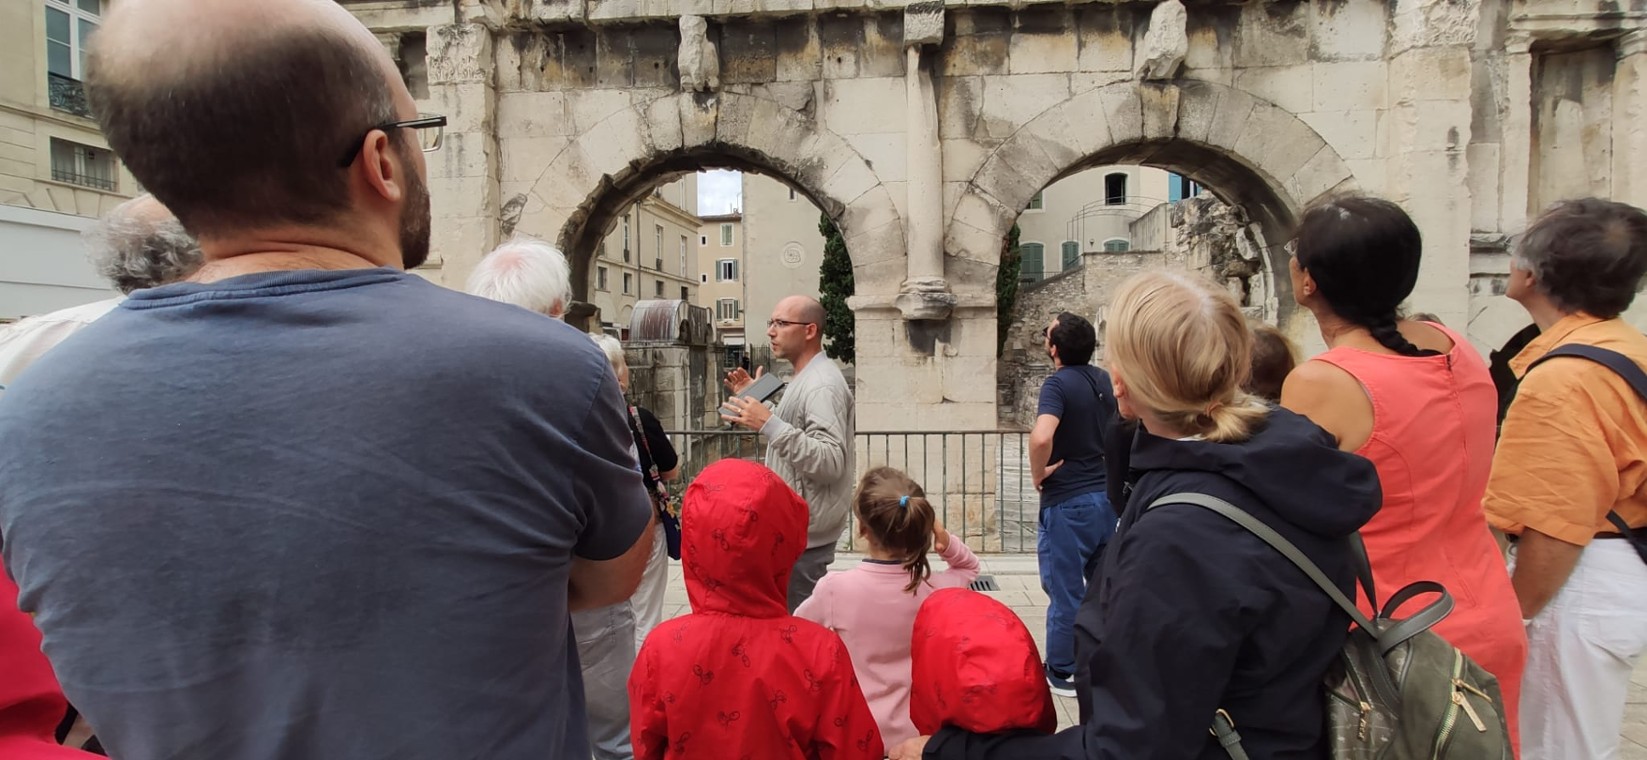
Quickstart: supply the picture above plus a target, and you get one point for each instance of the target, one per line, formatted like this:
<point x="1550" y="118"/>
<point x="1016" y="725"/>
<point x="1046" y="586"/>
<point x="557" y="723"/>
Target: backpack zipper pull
<point x="1458" y="697"/>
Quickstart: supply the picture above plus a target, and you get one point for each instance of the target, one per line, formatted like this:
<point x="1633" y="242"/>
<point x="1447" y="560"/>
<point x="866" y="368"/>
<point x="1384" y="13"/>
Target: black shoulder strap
<point x="1637" y="380"/>
<point x="1613" y="360"/>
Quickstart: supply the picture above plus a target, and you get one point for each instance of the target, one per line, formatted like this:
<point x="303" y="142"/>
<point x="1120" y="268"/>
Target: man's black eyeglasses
<point x="784" y="323"/>
<point x="430" y="129"/>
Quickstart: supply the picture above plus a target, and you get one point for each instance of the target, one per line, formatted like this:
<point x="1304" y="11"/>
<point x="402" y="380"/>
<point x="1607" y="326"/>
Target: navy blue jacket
<point x="1196" y="614"/>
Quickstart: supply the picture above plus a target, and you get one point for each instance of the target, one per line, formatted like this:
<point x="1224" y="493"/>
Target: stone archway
<point x="620" y="156"/>
<point x="1247" y="150"/>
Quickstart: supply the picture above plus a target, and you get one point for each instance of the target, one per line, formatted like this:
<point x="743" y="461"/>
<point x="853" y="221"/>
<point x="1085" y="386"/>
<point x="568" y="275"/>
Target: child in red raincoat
<point x="976" y="667"/>
<point x="740" y="677"/>
<point x="31" y="704"/>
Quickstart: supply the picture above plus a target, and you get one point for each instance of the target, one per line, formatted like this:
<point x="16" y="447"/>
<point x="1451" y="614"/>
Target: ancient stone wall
<point x="925" y="128"/>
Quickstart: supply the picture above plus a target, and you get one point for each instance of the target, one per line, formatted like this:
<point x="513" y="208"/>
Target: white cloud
<point x="719" y="192"/>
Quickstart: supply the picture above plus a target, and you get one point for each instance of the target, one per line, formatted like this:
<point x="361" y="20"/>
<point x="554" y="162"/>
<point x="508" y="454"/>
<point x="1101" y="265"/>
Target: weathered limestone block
<point x="460" y="53"/>
<point x="1197" y="104"/>
<point x="1230" y="120"/>
<point x="1103" y="37"/>
<point x="1321" y="173"/>
<point x="1166" y="43"/>
<point x="1158" y="104"/>
<point x="533" y="114"/>
<point x="1353" y="30"/>
<point x="1011" y="101"/>
<point x="1272" y="34"/>
<point x="1290" y="87"/>
<point x="699" y="61"/>
<point x="924" y="22"/>
<point x="1432" y="23"/>
<point x="1124" y="111"/>
<point x="698" y="114"/>
<point x="1354" y="134"/>
<point x="1072" y="130"/>
<point x="750" y="49"/>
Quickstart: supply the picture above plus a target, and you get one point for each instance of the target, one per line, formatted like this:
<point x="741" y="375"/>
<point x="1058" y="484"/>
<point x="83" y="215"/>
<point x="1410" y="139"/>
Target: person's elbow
<point x="601" y="583"/>
<point x="671" y="475"/>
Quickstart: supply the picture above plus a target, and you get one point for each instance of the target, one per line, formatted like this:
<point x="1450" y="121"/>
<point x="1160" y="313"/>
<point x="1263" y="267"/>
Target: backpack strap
<point x="1388" y="638"/>
<point x="1224" y="730"/>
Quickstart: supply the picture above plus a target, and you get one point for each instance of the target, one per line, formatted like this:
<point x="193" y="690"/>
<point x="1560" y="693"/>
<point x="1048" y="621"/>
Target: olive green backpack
<point x="1400" y="692"/>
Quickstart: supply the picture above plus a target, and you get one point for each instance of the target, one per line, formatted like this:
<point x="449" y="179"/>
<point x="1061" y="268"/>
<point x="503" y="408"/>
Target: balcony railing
<point x="978" y="480"/>
<point x="68" y="95"/>
<point x="83" y="180"/>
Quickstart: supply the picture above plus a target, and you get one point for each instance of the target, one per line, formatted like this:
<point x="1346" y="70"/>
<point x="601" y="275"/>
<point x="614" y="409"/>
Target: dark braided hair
<point x="1363" y="253"/>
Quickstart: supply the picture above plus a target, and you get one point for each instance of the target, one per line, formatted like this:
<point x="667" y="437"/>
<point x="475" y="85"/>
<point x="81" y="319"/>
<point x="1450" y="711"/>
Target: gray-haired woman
<point x="659" y="464"/>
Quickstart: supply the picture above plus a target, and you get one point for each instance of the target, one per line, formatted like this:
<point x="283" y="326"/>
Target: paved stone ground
<point x="1020" y="584"/>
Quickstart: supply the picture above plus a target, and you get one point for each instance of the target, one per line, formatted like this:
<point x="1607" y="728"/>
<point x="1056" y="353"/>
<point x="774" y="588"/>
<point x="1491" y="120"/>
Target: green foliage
<point x="834" y="286"/>
<point x="1006" y="288"/>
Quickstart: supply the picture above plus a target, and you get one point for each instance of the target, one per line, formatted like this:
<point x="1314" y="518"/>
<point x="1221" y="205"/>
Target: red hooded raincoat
<point x="975" y="666"/>
<point x="740" y="678"/>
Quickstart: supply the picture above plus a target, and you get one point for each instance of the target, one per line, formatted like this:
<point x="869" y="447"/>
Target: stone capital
<point x="1633" y="43"/>
<point x="925" y="298"/>
<point x="924" y="23"/>
<point x="460" y="53"/>
<point x="1518" y="44"/>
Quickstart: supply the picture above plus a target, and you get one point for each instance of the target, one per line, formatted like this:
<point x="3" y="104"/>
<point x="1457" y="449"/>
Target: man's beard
<point x="414" y="222"/>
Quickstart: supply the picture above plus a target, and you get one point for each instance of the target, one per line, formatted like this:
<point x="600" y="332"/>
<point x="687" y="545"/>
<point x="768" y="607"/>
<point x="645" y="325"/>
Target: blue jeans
<point x="1071" y="533"/>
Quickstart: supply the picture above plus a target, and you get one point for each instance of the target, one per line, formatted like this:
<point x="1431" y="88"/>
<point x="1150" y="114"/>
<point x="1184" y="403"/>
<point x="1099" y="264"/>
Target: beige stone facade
<point x="1087" y="212"/>
<point x="722" y="288"/>
<point x="56" y="171"/>
<point x="783" y="249"/>
<point x="651" y="254"/>
<point x="925" y="128"/>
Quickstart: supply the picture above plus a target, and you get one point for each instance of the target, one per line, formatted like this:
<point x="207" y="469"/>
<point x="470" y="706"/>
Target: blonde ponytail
<point x="1183" y="349"/>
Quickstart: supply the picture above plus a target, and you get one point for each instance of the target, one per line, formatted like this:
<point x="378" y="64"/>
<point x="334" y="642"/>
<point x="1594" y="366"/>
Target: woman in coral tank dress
<point x="1417" y="400"/>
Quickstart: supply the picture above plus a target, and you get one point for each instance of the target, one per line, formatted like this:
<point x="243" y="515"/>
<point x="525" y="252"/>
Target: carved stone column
<point x="924" y="294"/>
<point x="1516" y="155"/>
<point x="1429" y="121"/>
<point x="463" y="174"/>
<point x="1630" y="120"/>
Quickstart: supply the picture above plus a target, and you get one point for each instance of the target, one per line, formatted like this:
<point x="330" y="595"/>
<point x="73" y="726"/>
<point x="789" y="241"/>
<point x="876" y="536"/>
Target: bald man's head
<point x="805" y="309"/>
<point x="234" y="113"/>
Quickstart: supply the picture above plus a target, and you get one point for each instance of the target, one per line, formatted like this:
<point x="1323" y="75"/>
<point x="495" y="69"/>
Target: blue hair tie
<point x="903" y="501"/>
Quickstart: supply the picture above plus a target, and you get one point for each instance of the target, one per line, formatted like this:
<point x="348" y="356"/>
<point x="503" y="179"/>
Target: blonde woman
<point x="1194" y="613"/>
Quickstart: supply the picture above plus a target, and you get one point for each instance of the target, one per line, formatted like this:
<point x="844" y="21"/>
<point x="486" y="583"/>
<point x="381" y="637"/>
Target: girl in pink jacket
<point x="872" y="606"/>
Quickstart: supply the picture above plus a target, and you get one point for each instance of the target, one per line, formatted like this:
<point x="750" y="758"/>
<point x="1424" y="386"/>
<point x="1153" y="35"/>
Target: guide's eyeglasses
<point x="430" y="129"/>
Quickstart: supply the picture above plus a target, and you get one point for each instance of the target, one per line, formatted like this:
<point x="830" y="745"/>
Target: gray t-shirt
<point x="315" y="515"/>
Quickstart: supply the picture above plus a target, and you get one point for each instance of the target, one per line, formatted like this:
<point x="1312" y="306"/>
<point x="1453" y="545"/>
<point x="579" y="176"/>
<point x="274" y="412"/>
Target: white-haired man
<point x="528" y="273"/>
<point x="533" y="275"/>
<point x="139" y="244"/>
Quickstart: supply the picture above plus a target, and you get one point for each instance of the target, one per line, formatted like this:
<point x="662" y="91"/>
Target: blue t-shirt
<point x="317" y="514"/>
<point x="1084" y="402"/>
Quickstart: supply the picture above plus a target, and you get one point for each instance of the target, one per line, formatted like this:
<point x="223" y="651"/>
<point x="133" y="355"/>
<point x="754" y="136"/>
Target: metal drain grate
<point x="984" y="583"/>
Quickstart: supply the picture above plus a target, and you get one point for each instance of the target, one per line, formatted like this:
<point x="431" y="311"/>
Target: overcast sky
<point x="719" y="191"/>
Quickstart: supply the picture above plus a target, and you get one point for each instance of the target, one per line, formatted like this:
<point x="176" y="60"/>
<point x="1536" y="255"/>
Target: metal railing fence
<point x="978" y="480"/>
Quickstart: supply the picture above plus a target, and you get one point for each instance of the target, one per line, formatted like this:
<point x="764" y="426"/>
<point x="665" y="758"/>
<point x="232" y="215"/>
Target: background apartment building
<point x="1091" y="211"/>
<point x="57" y="173"/>
<point x="721" y="283"/>
<point x="650" y="254"/>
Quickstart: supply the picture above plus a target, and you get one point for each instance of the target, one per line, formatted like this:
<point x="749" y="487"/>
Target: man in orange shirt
<point x="1573" y="449"/>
